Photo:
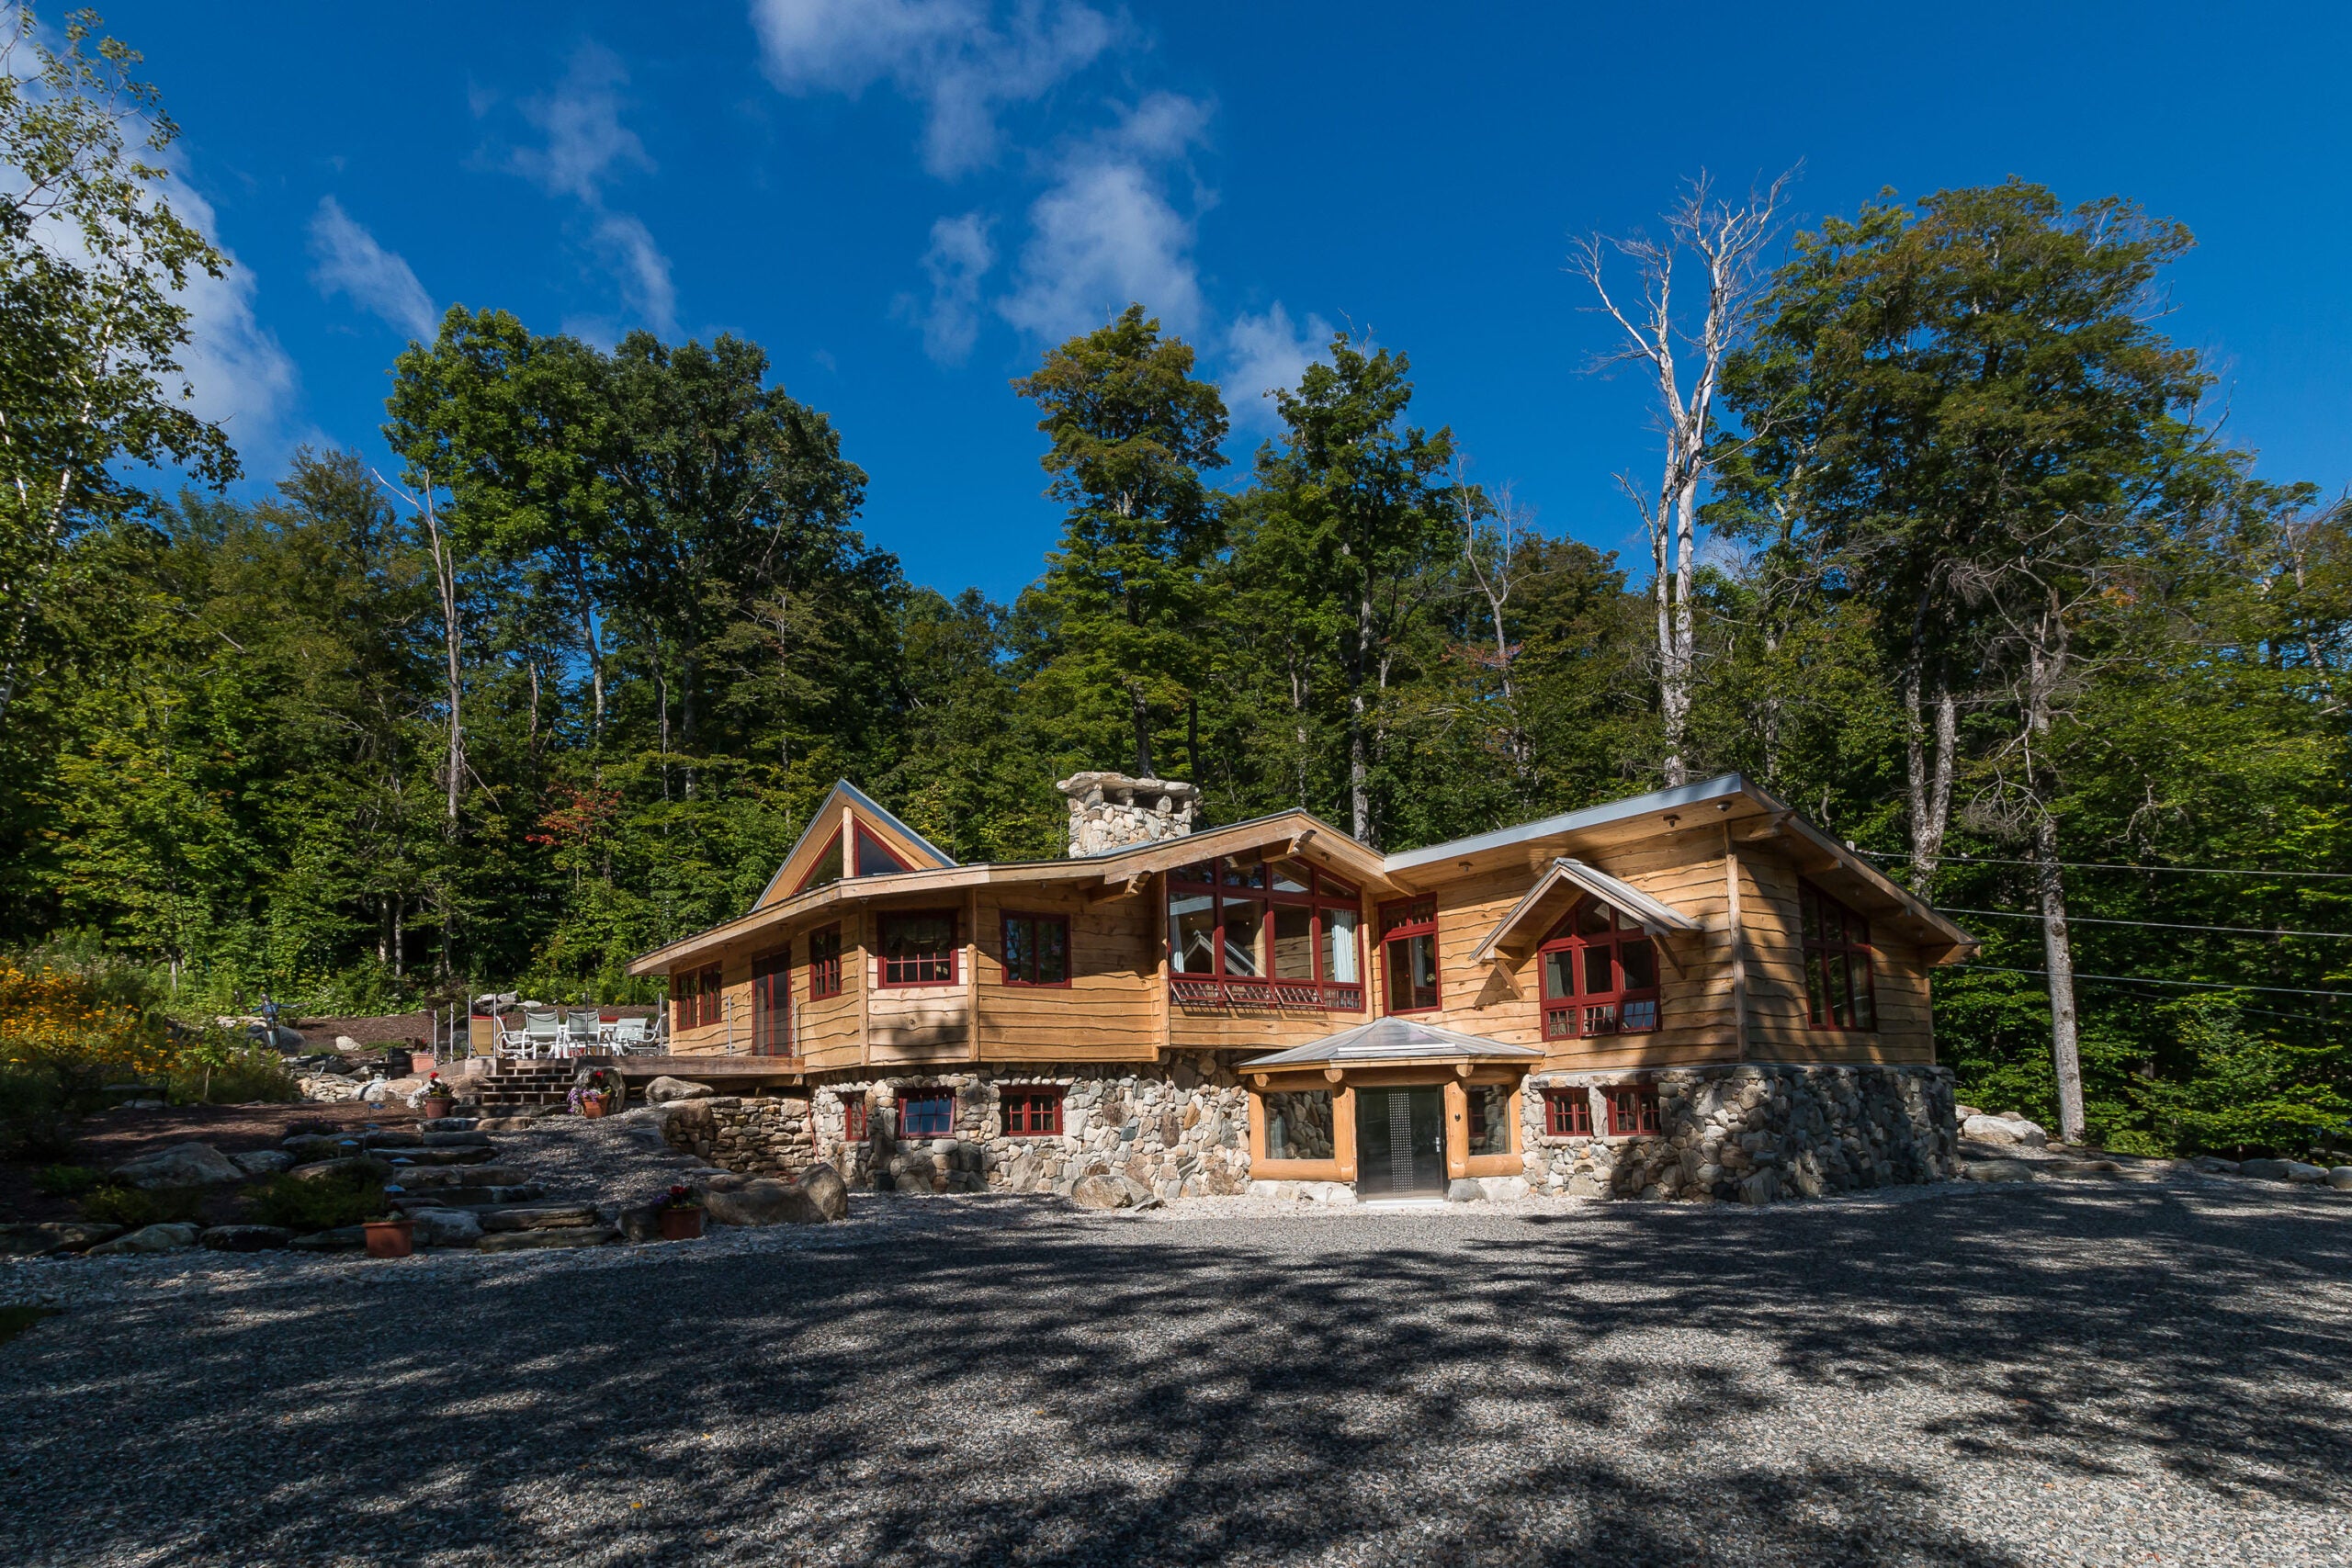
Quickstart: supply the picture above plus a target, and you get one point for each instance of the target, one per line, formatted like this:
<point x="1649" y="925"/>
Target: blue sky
<point x="905" y="200"/>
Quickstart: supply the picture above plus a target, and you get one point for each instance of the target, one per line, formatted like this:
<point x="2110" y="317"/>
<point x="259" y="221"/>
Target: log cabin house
<point x="1689" y="993"/>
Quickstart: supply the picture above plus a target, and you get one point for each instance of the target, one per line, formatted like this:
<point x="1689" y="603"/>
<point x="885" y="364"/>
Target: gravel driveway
<point x="2056" y="1373"/>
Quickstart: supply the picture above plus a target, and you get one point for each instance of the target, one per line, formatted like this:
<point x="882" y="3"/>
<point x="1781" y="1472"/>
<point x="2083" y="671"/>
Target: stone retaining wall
<point x="1753" y="1133"/>
<point x="769" y="1135"/>
<point x="1183" y="1130"/>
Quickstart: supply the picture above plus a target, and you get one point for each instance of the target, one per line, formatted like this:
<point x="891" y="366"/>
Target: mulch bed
<point x="108" y="1140"/>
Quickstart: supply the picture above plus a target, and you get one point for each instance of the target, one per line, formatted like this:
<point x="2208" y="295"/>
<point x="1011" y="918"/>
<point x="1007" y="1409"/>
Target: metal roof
<point x="1649" y="913"/>
<point x="1393" y="1040"/>
<point x="1574" y="821"/>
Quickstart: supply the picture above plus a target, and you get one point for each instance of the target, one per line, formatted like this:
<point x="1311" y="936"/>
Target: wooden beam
<point x="1738" y="944"/>
<point x="972" y="972"/>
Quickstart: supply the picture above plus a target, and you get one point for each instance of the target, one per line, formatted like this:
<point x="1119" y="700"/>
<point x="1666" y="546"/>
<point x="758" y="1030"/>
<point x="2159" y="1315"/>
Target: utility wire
<point x="2145" y="980"/>
<point x="2157" y="925"/>
<point x="2100" y="866"/>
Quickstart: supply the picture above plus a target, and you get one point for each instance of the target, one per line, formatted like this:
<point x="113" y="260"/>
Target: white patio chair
<point x="582" y="1031"/>
<point x="631" y="1035"/>
<point x="543" y="1035"/>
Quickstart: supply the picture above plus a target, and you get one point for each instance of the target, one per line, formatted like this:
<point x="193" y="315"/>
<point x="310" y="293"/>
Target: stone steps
<point x="471" y="1197"/>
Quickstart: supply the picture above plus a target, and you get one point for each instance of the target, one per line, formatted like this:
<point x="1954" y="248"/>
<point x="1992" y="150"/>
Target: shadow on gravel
<point x="1002" y="1384"/>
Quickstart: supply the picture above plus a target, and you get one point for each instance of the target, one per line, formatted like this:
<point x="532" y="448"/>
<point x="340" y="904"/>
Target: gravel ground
<point x="2060" y="1372"/>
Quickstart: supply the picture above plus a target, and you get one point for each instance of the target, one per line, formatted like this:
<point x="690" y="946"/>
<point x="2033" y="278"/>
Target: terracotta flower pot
<point x="681" y="1224"/>
<point x="390" y="1238"/>
<point x="436" y="1107"/>
<point x="592" y="1105"/>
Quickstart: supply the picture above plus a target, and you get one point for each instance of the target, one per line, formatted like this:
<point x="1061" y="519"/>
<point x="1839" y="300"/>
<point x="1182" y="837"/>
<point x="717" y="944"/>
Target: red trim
<point x="1230" y="881"/>
<point x="867" y="840"/>
<point x="1568" y="1113"/>
<point x="853" y="1120"/>
<point x="1837" y="950"/>
<point x="1404" y="921"/>
<point x="1036" y="922"/>
<point x="824" y="963"/>
<point x="927" y="1095"/>
<point x="832" y="848"/>
<point x="1031" y="1111"/>
<point x="772" y="1004"/>
<point x="1633" y="1110"/>
<point x="1585" y="1013"/>
<point x="910" y="970"/>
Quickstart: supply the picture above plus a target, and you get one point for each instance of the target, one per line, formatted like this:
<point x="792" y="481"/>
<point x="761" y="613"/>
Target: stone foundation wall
<point x="1753" y="1134"/>
<point x="1179" y="1130"/>
<point x="769" y="1135"/>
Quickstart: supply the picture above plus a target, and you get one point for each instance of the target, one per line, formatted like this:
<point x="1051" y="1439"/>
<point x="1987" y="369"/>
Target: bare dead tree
<point x="1727" y="239"/>
<point x="445" y="576"/>
<point x="1493" y="527"/>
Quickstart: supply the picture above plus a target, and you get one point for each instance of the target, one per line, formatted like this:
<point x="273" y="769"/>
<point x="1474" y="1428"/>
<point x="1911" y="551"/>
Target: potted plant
<point x="439" y="1099"/>
<point x="681" y="1215"/>
<point x="392" y="1236"/>
<point x="594" y="1093"/>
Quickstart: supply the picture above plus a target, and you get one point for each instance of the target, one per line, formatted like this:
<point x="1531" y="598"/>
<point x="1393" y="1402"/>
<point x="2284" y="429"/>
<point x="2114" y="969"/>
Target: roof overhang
<point x="1395" y="1042"/>
<point x="1573" y="876"/>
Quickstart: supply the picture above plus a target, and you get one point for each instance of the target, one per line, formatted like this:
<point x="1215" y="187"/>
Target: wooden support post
<point x="849" y="843"/>
<point x="1343" y="1129"/>
<point x="1738" y="933"/>
<point x="1164" y="1003"/>
<point x="972" y="971"/>
<point x="1457" y="1129"/>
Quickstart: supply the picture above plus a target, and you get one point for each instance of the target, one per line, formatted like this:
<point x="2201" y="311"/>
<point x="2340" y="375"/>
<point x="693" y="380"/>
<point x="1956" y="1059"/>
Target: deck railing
<point x="1198" y="992"/>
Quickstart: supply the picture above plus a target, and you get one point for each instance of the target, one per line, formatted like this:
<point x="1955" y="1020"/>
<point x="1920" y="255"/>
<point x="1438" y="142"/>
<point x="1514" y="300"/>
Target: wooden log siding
<point x="1779" y="1029"/>
<point x="1108" y="1012"/>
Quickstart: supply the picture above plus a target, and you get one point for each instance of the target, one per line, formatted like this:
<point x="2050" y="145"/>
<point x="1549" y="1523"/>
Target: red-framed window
<point x="1841" y="985"/>
<point x="875" y="858"/>
<point x="1408" y="953"/>
<point x="1599" y="975"/>
<point x="1036" y="950"/>
<point x="1033" y="1111"/>
<point x="696" y="998"/>
<point x="1568" y="1113"/>
<point x="1250" y="932"/>
<point x="825" y="962"/>
<point x="915" y="947"/>
<point x="772" y="1004"/>
<point x="1633" y="1110"/>
<point x="853" y="1120"/>
<point x="827" y="868"/>
<point x="927" y="1113"/>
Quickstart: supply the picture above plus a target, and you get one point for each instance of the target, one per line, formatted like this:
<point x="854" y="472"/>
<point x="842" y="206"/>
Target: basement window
<point x="1032" y="1113"/>
<point x="927" y="1113"/>
<point x="1633" y="1110"/>
<point x="1568" y="1113"/>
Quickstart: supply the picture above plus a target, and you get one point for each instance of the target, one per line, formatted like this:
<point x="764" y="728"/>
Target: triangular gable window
<point x="828" y="867"/>
<point x="875" y="858"/>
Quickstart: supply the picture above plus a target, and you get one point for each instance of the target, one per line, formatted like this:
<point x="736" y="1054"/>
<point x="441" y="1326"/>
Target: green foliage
<point x="113" y="1205"/>
<point x="67" y="1181"/>
<point x="317" y="1204"/>
<point x="222" y="1071"/>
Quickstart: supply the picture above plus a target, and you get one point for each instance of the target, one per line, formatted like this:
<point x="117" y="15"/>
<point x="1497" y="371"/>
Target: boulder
<point x="1986" y="1129"/>
<point x="1462" y="1190"/>
<point x="426" y="1178"/>
<point x="342" y="1238"/>
<point x="2265" y="1169"/>
<point x="2298" y="1171"/>
<point x="1761" y="1187"/>
<point x="181" y="1164"/>
<point x="1099" y="1192"/>
<point x="540" y="1217"/>
<point x="1505" y="1187"/>
<point x="444" y="1227"/>
<point x="1278" y="1190"/>
<point x="245" y="1238"/>
<point x="366" y="1166"/>
<point x="345" y="1042"/>
<point x="2340" y="1177"/>
<point x="1997" y="1170"/>
<point x="530" y="1241"/>
<point x="663" y="1090"/>
<point x="2214" y="1165"/>
<point x="761" y="1203"/>
<point x="642" y="1223"/>
<point x="1139" y="1195"/>
<point x="149" y="1238"/>
<point x="43" y="1238"/>
<point x="827" y="1190"/>
<point x="262" y="1162"/>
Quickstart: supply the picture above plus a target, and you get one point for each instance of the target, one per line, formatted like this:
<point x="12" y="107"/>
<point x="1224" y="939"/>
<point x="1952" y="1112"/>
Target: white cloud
<point x="959" y="258"/>
<point x="348" y="260"/>
<point x="237" y="375"/>
<point x="1105" y="234"/>
<point x="1267" y="353"/>
<point x="586" y="145"/>
<point x="947" y="55"/>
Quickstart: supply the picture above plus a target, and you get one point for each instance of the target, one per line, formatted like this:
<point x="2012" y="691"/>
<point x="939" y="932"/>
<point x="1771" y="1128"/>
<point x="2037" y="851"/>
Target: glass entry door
<point x="1400" y="1143"/>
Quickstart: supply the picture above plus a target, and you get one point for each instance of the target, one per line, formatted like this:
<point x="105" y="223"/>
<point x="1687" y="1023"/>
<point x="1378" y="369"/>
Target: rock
<point x="827" y="1190"/>
<point x="42" y="1238"/>
<point x="2300" y="1172"/>
<point x="368" y="1165"/>
<point x="642" y="1223"/>
<point x="663" y="1090"/>
<point x="2265" y="1169"/>
<point x="345" y="1042"/>
<point x="2213" y="1165"/>
<point x="452" y="1137"/>
<point x="342" y="1238"/>
<point x="262" y="1162"/>
<point x="1502" y="1189"/>
<point x="1761" y="1188"/>
<point x="1986" y="1129"/>
<point x="1965" y="1111"/>
<point x="446" y="1124"/>
<point x="761" y="1203"/>
<point x="1462" y="1190"/>
<point x="540" y="1217"/>
<point x="1278" y="1190"/>
<point x="149" y="1238"/>
<point x="2340" y="1177"/>
<point x="473" y="1197"/>
<point x="1099" y="1192"/>
<point x="529" y="1241"/>
<point x="429" y="1177"/>
<point x="1139" y="1195"/>
<point x="181" y="1164"/>
<point x="1997" y="1170"/>
<point x="444" y="1227"/>
<point x="245" y="1238"/>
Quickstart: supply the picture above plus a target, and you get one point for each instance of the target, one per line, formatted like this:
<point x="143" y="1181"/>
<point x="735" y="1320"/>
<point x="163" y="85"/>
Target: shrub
<point x="114" y="1205"/>
<point x="67" y="1181"/>
<point x="318" y="1203"/>
<point x="214" y="1070"/>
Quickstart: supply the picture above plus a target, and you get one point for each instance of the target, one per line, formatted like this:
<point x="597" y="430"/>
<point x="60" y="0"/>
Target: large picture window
<point x="916" y="947"/>
<point x="825" y="963"/>
<point x="1840" y="989"/>
<point x="772" y="1004"/>
<point x="1599" y="975"/>
<point x="1036" y="950"/>
<point x="1408" y="953"/>
<point x="1263" y="934"/>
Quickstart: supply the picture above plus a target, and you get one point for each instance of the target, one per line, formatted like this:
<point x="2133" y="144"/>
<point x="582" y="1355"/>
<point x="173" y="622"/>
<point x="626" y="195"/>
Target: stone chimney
<point x="1111" y="811"/>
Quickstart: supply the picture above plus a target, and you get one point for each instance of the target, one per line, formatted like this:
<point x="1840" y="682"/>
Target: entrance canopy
<point x="1395" y="1042"/>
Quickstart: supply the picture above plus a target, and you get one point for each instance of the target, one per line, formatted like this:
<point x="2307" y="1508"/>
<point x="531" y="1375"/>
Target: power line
<point x="2146" y="980"/>
<point x="2157" y="925"/>
<point x="2101" y="866"/>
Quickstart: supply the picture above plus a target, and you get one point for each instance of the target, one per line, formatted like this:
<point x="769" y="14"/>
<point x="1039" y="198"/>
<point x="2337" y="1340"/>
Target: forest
<point x="1950" y="547"/>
